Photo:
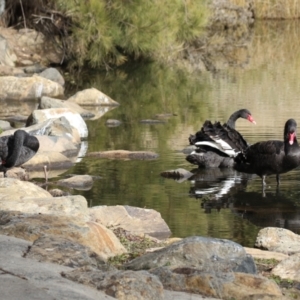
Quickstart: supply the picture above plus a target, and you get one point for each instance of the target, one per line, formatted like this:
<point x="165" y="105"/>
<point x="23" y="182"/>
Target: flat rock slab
<point x="75" y="206"/>
<point x="28" y="279"/>
<point x="33" y="226"/>
<point x="263" y="254"/>
<point x="13" y="190"/>
<point x="28" y="88"/>
<point x="124" y="154"/>
<point x="151" y="121"/>
<point x="133" y="219"/>
<point x="78" y="182"/>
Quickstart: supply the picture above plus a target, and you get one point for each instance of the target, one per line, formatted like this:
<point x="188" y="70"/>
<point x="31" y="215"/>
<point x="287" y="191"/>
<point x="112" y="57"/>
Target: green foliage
<point x="270" y="262"/>
<point x="282" y="282"/>
<point x="109" y="32"/>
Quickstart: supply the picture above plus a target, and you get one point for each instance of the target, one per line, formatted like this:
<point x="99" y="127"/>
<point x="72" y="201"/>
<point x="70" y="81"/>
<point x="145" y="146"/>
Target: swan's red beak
<point x="250" y="119"/>
<point x="291" y="138"/>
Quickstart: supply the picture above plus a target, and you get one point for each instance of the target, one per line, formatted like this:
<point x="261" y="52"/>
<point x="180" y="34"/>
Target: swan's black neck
<point x="289" y="149"/>
<point x="233" y="118"/>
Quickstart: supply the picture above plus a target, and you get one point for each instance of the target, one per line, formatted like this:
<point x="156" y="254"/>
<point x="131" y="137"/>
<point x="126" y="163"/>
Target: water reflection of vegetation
<point x="143" y="92"/>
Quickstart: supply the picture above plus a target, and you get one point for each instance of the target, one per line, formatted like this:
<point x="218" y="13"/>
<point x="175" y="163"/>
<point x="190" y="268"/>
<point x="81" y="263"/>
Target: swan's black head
<point x="242" y="113"/>
<point x="290" y="129"/>
<point x="246" y="114"/>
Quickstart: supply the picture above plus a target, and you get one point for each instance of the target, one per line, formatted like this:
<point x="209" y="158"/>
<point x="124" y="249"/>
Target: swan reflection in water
<point x="216" y="187"/>
<point x="228" y="189"/>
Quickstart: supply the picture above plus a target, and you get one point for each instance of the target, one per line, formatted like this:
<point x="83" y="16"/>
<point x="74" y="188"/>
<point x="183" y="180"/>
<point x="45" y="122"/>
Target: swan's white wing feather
<point x="220" y="145"/>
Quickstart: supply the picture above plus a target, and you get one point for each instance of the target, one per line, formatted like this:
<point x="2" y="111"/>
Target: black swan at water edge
<point x="271" y="157"/>
<point x="217" y="144"/>
<point x="17" y="149"/>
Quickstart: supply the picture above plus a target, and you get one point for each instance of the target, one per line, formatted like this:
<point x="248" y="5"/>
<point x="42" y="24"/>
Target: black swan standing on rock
<point x="218" y="144"/>
<point x="271" y="157"/>
<point x="17" y="149"/>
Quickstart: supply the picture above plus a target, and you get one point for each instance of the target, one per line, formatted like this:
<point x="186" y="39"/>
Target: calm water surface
<point x="216" y="203"/>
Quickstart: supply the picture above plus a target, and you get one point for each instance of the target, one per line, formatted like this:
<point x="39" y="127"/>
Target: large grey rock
<point x="122" y="285"/>
<point x="75" y="120"/>
<point x="133" y="219"/>
<point x="28" y="88"/>
<point x="208" y="255"/>
<point x="92" y="97"/>
<point x="53" y="128"/>
<point x="211" y="267"/>
<point x="64" y="251"/>
<point x="278" y="239"/>
<point x="25" y="274"/>
<point x="14" y="190"/>
<point x="75" y="206"/>
<point x="47" y="102"/>
<point x="53" y="75"/>
<point x="32" y="226"/>
<point x="28" y="279"/>
<point x="224" y="285"/>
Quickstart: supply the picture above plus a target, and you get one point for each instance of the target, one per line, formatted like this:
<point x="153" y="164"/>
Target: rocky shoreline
<point x="60" y="237"/>
<point x="53" y="246"/>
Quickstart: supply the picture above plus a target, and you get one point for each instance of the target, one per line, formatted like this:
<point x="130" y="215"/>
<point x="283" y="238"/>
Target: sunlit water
<point x="216" y="203"/>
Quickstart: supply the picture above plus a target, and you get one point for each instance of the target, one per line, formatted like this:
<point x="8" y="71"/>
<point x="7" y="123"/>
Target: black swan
<point x="271" y="157"/>
<point x="17" y="149"/>
<point x="217" y="144"/>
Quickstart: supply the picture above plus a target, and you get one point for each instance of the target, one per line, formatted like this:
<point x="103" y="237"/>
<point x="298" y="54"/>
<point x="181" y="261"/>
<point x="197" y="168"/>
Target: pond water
<point x="216" y="203"/>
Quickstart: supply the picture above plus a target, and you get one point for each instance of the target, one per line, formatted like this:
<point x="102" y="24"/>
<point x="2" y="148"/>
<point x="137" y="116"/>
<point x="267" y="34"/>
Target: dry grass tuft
<point x="276" y="9"/>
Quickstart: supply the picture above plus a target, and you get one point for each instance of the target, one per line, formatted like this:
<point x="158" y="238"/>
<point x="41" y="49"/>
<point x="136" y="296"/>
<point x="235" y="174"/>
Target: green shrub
<point x="110" y="32"/>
